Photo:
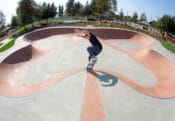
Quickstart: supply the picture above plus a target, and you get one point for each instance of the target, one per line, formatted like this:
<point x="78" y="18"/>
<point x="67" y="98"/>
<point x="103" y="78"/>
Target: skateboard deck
<point x="91" y="64"/>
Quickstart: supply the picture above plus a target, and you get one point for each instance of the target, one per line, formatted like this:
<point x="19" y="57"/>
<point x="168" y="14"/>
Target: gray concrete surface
<point x="163" y="51"/>
<point x="126" y="45"/>
<point x="60" y="102"/>
<point x="20" y="43"/>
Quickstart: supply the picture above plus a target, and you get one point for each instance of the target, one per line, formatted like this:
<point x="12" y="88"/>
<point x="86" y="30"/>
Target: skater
<point x="94" y="49"/>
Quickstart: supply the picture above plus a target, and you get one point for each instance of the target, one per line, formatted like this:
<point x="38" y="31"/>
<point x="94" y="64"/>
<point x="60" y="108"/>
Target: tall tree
<point x="48" y="11"/>
<point x="92" y="5"/>
<point x="19" y="17"/>
<point x="154" y="24"/>
<point x="53" y="10"/>
<point x="14" y="21"/>
<point x="121" y="14"/>
<point x="76" y="8"/>
<point x="2" y="19"/>
<point x="143" y="17"/>
<point x="167" y="23"/>
<point x="100" y="7"/>
<point x="60" y="10"/>
<point x="69" y="7"/>
<point x="87" y="10"/>
<point x="26" y="11"/>
<point x="135" y="17"/>
<point x="43" y="10"/>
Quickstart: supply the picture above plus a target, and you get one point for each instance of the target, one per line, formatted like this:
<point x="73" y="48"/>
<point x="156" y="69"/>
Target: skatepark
<point x="44" y="78"/>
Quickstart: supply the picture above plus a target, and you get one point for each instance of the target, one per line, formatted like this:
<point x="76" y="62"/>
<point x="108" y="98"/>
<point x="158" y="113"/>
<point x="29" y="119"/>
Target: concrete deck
<point x="43" y="78"/>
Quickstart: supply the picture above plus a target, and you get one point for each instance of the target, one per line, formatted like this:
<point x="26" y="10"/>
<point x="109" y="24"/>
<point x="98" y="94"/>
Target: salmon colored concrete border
<point x="163" y="69"/>
<point x="92" y="108"/>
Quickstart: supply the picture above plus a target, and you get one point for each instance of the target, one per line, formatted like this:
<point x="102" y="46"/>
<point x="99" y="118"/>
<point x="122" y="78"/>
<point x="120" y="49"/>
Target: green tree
<point x="14" y="21"/>
<point x="101" y="7"/>
<point x="73" y="9"/>
<point x="19" y="17"/>
<point x="69" y="7"/>
<point x="48" y="11"/>
<point x="135" y="17"/>
<point x="87" y="11"/>
<point x="121" y="14"/>
<point x="143" y="17"/>
<point x="92" y="5"/>
<point x="60" y="10"/>
<point x="43" y="10"/>
<point x="52" y="11"/>
<point x="2" y="19"/>
<point x="154" y="24"/>
<point x="26" y="11"/>
<point x="167" y="23"/>
<point x="77" y="9"/>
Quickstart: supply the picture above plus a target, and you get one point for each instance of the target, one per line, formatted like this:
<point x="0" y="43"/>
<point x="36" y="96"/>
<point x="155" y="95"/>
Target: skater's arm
<point x="82" y="33"/>
<point x="79" y="32"/>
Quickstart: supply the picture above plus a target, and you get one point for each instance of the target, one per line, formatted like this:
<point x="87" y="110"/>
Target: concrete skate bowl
<point x="23" y="63"/>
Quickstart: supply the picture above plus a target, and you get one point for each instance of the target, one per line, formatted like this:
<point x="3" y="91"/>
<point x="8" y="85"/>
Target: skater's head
<point x="86" y="34"/>
<point x="82" y="33"/>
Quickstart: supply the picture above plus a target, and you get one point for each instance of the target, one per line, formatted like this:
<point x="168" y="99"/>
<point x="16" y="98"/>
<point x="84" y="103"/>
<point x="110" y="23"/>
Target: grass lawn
<point x="7" y="45"/>
<point x="168" y="45"/>
<point x="1" y="44"/>
<point x="46" y="22"/>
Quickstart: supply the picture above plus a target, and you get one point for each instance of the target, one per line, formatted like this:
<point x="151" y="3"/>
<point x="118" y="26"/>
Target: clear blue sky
<point x="152" y="8"/>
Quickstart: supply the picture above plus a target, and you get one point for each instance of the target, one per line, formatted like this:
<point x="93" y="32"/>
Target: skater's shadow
<point x="106" y="80"/>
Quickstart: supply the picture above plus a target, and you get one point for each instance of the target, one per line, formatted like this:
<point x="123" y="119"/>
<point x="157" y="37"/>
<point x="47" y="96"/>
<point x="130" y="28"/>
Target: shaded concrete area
<point x="46" y="79"/>
<point x="101" y="33"/>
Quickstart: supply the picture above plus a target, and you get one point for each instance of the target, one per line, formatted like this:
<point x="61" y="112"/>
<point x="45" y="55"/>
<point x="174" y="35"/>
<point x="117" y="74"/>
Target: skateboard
<point x="91" y="64"/>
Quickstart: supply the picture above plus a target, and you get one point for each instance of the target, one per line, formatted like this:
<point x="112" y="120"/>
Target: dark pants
<point x="93" y="51"/>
